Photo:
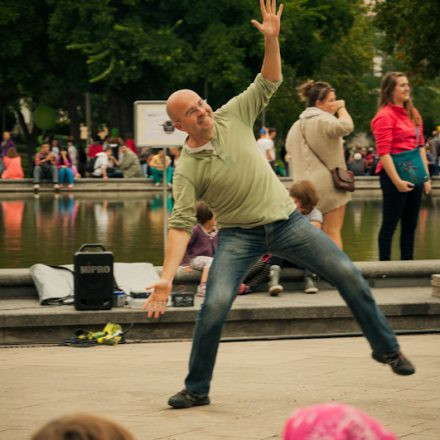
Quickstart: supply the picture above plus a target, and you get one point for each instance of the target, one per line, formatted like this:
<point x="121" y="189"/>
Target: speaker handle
<point x="92" y="245"/>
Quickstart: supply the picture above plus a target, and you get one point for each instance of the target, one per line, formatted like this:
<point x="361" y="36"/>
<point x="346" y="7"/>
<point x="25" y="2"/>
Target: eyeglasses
<point x="195" y="109"/>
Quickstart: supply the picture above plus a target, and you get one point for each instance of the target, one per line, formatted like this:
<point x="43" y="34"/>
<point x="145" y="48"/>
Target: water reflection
<point x="50" y="228"/>
<point x="12" y="212"/>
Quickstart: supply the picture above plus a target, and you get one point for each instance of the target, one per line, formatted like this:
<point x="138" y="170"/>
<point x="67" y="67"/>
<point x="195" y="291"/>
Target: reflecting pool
<point x="50" y="228"/>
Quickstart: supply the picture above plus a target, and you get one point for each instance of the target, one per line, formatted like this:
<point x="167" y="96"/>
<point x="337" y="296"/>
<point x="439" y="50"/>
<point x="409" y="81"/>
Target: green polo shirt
<point x="233" y="178"/>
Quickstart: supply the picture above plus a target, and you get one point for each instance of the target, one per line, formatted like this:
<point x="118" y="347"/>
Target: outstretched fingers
<point x="154" y="307"/>
<point x="280" y="10"/>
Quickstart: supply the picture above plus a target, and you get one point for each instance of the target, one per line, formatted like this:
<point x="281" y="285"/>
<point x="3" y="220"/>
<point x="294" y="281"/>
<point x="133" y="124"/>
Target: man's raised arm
<point x="270" y="28"/>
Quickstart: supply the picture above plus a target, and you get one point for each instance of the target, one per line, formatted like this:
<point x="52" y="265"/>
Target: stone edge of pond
<point x="370" y="270"/>
<point x="363" y="183"/>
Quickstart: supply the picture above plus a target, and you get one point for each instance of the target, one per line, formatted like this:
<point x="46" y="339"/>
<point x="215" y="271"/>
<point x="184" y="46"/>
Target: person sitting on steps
<point x="201" y="247"/>
<point x="45" y="167"/>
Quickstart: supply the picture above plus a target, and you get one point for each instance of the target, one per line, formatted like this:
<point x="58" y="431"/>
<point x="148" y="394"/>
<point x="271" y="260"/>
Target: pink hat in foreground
<point x="334" y="421"/>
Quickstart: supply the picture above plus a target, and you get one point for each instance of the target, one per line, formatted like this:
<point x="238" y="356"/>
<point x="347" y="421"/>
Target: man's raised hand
<point x="271" y="18"/>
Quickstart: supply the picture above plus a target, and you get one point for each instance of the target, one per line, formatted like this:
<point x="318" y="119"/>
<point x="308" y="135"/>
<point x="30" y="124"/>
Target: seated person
<point x="45" y="167"/>
<point x="129" y="163"/>
<point x="201" y="247"/>
<point x="306" y="198"/>
<point x="95" y="147"/>
<point x="5" y="144"/>
<point x="12" y="164"/>
<point x="64" y="164"/>
<point x="357" y="164"/>
<point x="105" y="165"/>
<point x="156" y="163"/>
<point x="144" y="155"/>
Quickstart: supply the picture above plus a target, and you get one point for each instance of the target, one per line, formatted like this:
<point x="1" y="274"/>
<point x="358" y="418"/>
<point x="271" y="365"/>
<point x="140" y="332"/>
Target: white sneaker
<point x="309" y="285"/>
<point x="36" y="188"/>
<point x="275" y="290"/>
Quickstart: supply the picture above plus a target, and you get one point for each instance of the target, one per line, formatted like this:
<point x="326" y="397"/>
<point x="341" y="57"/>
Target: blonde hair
<point x="305" y="192"/>
<point x="387" y="86"/>
<point x="82" y="427"/>
<point x="311" y="91"/>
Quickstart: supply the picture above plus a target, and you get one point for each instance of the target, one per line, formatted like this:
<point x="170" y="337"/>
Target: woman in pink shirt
<point x="397" y="127"/>
<point x="12" y="162"/>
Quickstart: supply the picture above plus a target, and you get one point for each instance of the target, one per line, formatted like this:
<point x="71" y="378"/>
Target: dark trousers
<point x="403" y="206"/>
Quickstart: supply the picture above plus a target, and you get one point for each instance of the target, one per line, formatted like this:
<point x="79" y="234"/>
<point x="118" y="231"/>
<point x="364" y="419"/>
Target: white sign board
<point x="153" y="127"/>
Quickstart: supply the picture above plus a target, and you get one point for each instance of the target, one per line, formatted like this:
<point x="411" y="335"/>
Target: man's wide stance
<point x="221" y="165"/>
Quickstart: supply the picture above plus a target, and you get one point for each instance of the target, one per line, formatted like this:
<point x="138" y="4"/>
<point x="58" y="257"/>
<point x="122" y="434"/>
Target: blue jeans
<point x="65" y="175"/>
<point x="301" y="243"/>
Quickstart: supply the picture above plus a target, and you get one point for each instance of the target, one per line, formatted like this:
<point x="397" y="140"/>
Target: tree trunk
<point x="121" y="113"/>
<point x="73" y="102"/>
<point x="30" y="138"/>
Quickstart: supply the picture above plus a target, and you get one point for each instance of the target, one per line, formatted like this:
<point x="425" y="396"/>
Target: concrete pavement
<point x="256" y="386"/>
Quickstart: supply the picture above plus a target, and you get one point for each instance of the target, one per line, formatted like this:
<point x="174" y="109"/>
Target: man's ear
<point x="178" y="125"/>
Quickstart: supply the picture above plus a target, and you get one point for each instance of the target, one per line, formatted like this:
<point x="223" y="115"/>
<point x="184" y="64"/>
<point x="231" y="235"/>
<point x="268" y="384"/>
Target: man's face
<point x="6" y="135"/>
<point x="45" y="148"/>
<point x="192" y="113"/>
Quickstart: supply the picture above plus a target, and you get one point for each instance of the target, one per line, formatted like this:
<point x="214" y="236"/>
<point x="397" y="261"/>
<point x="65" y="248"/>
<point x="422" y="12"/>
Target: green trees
<point x="411" y="33"/>
<point x="411" y="39"/>
<point x="53" y="51"/>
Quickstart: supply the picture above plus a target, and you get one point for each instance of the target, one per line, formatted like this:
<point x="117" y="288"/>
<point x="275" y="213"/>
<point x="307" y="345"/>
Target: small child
<point x="201" y="247"/>
<point x="269" y="266"/>
<point x="306" y="198"/>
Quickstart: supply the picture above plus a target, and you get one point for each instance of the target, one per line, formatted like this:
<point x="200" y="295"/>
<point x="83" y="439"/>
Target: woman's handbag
<point x="409" y="164"/>
<point x="410" y="167"/>
<point x="342" y="179"/>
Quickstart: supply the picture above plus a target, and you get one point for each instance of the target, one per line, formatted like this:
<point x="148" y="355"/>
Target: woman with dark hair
<point x="397" y="127"/>
<point x="64" y="165"/>
<point x="315" y="146"/>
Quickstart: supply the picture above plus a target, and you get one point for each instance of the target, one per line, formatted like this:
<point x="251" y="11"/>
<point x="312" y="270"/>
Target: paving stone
<point x="256" y="386"/>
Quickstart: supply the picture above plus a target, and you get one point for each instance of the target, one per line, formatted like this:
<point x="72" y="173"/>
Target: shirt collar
<point x="207" y="146"/>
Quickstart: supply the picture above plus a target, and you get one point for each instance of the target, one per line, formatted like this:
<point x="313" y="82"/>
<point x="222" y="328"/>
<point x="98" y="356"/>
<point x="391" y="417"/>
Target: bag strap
<point x="301" y="125"/>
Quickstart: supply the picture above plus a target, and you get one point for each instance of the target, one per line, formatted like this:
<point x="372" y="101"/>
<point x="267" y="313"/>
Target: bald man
<point x="221" y="164"/>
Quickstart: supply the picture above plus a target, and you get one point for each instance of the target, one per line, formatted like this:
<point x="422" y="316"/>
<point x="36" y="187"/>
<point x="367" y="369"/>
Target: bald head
<point x="179" y="101"/>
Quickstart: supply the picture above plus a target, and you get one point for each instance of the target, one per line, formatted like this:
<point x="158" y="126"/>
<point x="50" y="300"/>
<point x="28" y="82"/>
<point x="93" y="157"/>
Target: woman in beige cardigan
<point x="318" y="129"/>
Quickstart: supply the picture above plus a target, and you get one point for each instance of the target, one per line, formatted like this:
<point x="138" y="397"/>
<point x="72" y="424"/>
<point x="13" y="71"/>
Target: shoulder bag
<point x="409" y="164"/>
<point x="342" y="179"/>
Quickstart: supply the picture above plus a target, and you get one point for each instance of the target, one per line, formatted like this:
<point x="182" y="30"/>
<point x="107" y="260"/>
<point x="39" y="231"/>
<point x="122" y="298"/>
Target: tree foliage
<point x="412" y="33"/>
<point x="125" y="50"/>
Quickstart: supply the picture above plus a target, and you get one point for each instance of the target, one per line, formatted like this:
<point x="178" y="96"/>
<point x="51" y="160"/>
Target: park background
<point x="58" y="55"/>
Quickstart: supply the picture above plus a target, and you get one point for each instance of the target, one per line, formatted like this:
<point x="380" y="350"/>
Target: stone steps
<point x="402" y="289"/>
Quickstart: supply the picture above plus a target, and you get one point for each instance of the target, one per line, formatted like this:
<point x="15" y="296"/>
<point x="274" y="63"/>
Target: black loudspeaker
<point x="93" y="278"/>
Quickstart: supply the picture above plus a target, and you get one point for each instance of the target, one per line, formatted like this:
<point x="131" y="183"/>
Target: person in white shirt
<point x="104" y="165"/>
<point x="265" y="144"/>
